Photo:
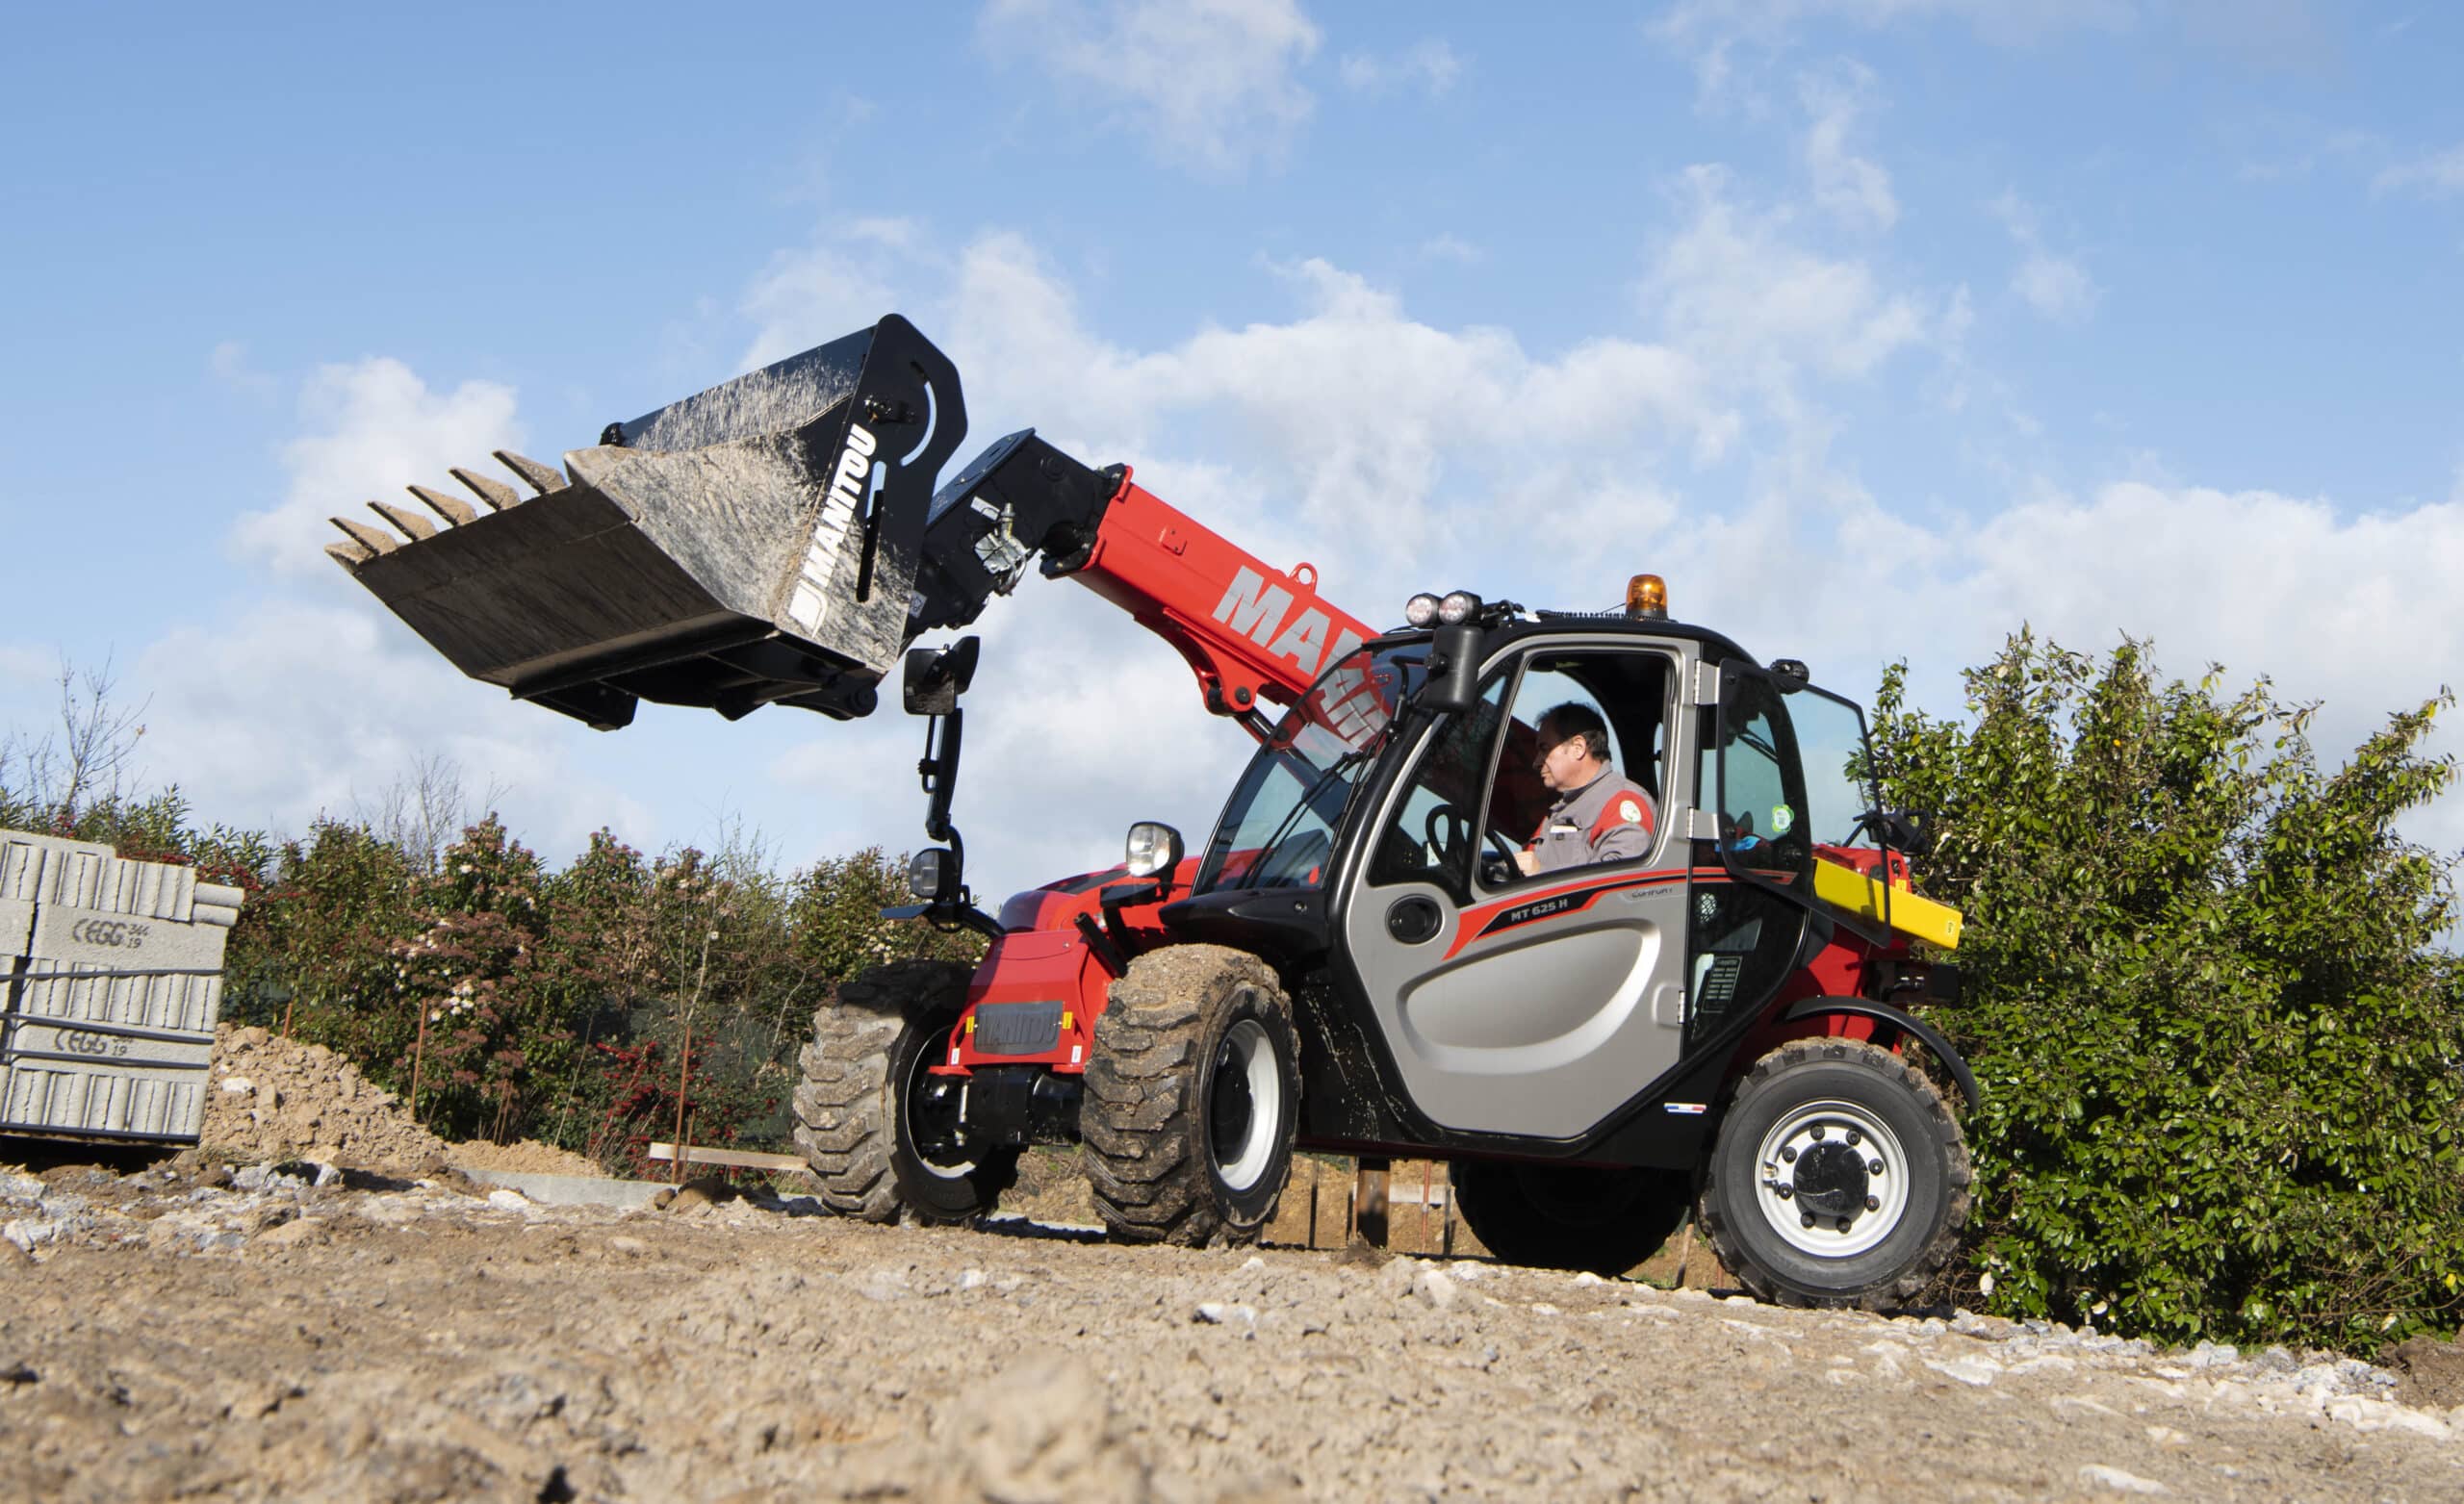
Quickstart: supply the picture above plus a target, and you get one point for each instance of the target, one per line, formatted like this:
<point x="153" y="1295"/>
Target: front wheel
<point x="1840" y="1178"/>
<point x="1193" y="1098"/>
<point x="882" y="1134"/>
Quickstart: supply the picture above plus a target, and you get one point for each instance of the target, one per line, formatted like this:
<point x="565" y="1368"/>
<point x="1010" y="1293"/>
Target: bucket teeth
<point x="454" y="509"/>
<point x="494" y="492"/>
<point x="374" y="540"/>
<point x="350" y="555"/>
<point x="543" y="479"/>
<point x="414" y="526"/>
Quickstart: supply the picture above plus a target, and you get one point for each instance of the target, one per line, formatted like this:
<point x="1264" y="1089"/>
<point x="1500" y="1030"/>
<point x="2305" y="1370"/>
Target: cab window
<point x="1629" y="689"/>
<point x="1430" y="836"/>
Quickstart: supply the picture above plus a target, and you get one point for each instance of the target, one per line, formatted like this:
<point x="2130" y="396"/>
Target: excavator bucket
<point x="754" y="543"/>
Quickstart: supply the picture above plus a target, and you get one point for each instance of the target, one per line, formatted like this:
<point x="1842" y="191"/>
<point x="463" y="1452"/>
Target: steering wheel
<point x="1449" y="829"/>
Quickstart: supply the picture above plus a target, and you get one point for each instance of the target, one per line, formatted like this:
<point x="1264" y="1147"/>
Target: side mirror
<point x="936" y="678"/>
<point x="1154" y="850"/>
<point x="1910" y="831"/>
<point x="1454" y="668"/>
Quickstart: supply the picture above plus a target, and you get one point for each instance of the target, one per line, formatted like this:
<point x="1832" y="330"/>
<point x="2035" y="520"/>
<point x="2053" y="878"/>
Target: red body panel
<point x="1250" y="630"/>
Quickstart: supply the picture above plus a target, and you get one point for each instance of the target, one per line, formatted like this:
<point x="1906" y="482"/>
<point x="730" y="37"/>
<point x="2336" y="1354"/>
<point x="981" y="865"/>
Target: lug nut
<point x="1788" y="1155"/>
<point x="1873" y="1166"/>
<point x="1784" y="1193"/>
<point x="1809" y="1220"/>
<point x="1843" y="1224"/>
<point x="1873" y="1202"/>
<point x="1853" y="1139"/>
<point x="1815" y="1133"/>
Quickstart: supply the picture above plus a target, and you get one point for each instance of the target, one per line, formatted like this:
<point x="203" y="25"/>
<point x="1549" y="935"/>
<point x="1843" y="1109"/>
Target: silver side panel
<point x="1544" y="1027"/>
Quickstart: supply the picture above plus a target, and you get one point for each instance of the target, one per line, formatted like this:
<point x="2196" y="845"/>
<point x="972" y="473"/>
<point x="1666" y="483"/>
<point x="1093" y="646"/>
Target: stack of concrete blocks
<point x="112" y="972"/>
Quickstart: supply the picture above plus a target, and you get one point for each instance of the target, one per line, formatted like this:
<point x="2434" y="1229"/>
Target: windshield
<point x="1279" y="826"/>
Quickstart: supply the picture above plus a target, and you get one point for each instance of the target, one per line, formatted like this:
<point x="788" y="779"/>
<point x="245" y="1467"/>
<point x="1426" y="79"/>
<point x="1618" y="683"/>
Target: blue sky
<point x="1880" y="326"/>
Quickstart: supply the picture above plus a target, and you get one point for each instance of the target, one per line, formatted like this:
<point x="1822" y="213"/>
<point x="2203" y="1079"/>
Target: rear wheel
<point x="1840" y="1178"/>
<point x="1565" y="1216"/>
<point x="1193" y="1098"/>
<point x="881" y="1137"/>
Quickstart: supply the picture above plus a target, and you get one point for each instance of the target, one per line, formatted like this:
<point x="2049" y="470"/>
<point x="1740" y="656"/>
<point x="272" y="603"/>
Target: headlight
<point x="1421" y="610"/>
<point x="927" y="870"/>
<point x="1458" y="607"/>
<point x="1153" y="848"/>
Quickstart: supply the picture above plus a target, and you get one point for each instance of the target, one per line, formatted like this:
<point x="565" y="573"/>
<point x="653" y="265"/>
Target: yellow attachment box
<point x="1849" y="890"/>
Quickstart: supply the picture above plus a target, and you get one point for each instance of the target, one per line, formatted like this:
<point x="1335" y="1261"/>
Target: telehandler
<point x="1353" y="961"/>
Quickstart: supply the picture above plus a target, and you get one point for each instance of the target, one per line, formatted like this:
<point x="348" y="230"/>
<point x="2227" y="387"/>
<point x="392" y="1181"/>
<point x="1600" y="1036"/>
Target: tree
<point x="2221" y="1049"/>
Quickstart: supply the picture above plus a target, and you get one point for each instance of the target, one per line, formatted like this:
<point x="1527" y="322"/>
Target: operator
<point x="1600" y="815"/>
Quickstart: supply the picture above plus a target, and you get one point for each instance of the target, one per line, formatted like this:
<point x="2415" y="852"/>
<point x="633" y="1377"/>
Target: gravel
<point x="268" y="1337"/>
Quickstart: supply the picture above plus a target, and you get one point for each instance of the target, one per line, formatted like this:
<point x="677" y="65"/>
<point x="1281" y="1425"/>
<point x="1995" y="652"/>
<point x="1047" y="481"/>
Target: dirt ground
<point x="191" y="1333"/>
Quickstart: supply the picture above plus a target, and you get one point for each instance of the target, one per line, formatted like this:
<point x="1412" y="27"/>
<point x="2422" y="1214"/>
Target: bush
<point x="2221" y="1047"/>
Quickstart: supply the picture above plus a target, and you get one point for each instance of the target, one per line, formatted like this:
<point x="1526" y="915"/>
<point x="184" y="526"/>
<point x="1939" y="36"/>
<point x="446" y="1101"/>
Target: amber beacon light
<point x="1646" y="595"/>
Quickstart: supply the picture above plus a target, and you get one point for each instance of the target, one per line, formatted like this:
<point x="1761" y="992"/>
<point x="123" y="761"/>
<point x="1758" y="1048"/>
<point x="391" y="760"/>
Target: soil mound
<point x="272" y="1098"/>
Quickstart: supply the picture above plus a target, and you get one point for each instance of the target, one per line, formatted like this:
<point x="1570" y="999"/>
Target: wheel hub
<point x="1234" y="1102"/>
<point x="1247" y="1097"/>
<point x="1830" y="1181"/>
<point x="936" y="1120"/>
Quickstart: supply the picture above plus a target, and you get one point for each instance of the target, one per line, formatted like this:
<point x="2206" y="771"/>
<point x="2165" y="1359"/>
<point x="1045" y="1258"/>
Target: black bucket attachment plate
<point x="754" y="543"/>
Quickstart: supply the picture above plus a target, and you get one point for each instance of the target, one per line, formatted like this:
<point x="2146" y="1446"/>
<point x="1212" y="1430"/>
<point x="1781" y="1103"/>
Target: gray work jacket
<point x="1609" y="819"/>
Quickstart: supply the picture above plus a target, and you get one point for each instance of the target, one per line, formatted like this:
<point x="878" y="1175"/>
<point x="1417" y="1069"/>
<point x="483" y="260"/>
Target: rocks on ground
<point x="272" y="1099"/>
<point x="277" y="1331"/>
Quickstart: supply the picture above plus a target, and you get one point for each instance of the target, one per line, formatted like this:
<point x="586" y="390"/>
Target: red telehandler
<point x="1353" y="961"/>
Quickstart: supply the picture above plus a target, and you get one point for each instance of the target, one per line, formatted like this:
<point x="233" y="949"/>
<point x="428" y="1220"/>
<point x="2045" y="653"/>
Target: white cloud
<point x="372" y="427"/>
<point x="1209" y="84"/>
<point x="2438" y="175"/>
<point x="2356" y="610"/>
<point x="1852" y="188"/>
<point x="287" y="709"/>
<point x="2055" y="286"/>
<point x="803" y="298"/>
<point x="1429" y="64"/>
<point x="1448" y="246"/>
<point x="1734" y="290"/>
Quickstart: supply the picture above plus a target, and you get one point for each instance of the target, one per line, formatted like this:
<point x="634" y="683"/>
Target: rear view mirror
<point x="1454" y="668"/>
<point x="936" y="678"/>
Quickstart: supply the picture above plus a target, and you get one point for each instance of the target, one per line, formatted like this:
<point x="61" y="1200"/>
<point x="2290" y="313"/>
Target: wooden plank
<point x="737" y="1158"/>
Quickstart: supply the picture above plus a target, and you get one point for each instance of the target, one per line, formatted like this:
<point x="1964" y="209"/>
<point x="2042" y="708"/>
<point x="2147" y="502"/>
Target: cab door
<point x="1513" y="1004"/>
<point x="1787" y="772"/>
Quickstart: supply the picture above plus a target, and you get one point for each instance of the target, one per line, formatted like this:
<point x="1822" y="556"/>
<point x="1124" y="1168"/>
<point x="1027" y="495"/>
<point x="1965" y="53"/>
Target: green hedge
<point x="2221" y="1043"/>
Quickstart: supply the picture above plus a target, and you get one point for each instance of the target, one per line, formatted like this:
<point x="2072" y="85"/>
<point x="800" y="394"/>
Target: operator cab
<point x="1374" y="836"/>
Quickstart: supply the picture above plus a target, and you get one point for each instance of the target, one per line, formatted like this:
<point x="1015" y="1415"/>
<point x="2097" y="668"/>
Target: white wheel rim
<point x="1825" y="1128"/>
<point x="1247" y="1051"/>
<point x="922" y="1081"/>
